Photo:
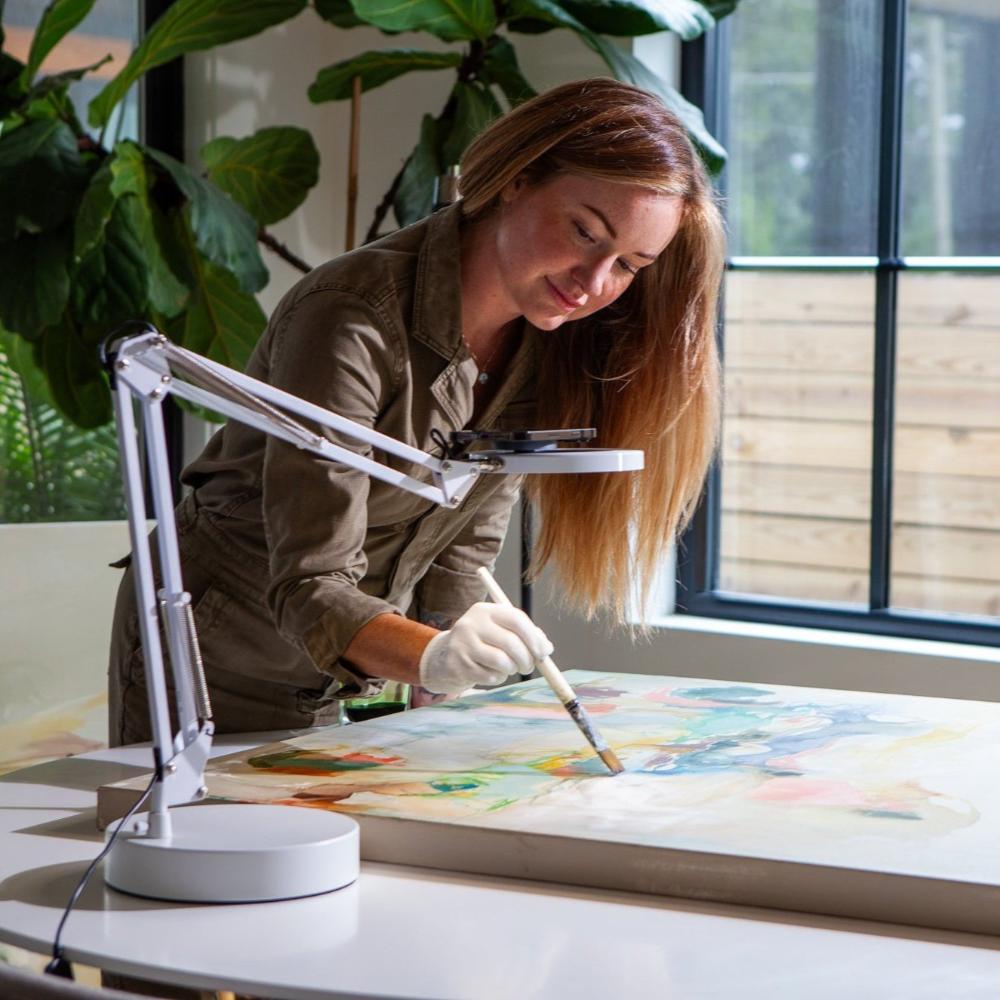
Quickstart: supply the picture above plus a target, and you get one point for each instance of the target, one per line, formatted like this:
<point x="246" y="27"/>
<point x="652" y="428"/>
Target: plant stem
<point x="386" y="203"/>
<point x="468" y="70"/>
<point x="390" y="196"/>
<point x="272" y="244"/>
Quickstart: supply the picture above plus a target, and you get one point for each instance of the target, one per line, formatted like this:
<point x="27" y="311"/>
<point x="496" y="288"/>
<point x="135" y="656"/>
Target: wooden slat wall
<point x="797" y="439"/>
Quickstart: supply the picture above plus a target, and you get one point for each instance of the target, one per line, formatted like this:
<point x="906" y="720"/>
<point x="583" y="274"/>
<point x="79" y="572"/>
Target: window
<point x="858" y="483"/>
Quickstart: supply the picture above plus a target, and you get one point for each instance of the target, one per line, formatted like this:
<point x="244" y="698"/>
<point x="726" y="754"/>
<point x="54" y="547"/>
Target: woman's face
<point x="571" y="245"/>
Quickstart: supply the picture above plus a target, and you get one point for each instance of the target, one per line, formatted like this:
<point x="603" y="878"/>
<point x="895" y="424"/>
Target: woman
<point x="573" y="285"/>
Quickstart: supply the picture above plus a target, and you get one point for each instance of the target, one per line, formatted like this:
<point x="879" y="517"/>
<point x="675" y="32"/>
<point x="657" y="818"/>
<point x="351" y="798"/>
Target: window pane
<point x="951" y="140"/>
<point x="946" y="531"/>
<point x="111" y="28"/>
<point x="50" y="469"/>
<point x="797" y="435"/>
<point x="802" y="126"/>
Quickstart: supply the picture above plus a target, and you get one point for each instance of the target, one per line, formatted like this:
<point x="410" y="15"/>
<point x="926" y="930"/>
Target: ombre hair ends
<point x="645" y="370"/>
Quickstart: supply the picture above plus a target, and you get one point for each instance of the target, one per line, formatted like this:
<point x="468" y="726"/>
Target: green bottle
<point x="394" y="697"/>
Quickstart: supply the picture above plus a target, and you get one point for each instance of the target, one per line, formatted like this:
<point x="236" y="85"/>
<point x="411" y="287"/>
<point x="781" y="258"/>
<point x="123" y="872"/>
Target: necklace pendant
<point x="483" y="377"/>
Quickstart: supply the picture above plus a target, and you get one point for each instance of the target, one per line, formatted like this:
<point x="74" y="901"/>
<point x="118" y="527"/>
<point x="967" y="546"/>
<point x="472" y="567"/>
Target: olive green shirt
<point x="374" y="335"/>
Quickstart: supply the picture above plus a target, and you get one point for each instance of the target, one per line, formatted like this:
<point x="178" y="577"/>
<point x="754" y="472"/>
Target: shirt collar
<point x="437" y="305"/>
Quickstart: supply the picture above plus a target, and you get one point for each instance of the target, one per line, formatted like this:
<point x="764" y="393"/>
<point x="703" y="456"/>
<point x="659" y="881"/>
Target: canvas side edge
<point x="888" y="897"/>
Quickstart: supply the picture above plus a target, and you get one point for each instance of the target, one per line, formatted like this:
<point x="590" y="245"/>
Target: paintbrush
<point x="561" y="687"/>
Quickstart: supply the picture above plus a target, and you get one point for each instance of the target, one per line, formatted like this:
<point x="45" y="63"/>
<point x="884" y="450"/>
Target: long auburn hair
<point x="644" y="370"/>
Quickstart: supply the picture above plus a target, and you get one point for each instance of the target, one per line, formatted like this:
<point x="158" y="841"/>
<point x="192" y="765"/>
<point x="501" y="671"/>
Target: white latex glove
<point x="485" y="646"/>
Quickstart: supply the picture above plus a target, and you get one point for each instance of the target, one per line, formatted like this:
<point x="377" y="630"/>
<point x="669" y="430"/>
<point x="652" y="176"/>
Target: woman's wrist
<point x="390" y="646"/>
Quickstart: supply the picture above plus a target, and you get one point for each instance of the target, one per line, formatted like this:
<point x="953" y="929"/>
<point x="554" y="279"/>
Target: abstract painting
<point x="827" y="801"/>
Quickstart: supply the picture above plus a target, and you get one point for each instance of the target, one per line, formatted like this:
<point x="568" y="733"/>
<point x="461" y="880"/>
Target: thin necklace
<point x="484" y="375"/>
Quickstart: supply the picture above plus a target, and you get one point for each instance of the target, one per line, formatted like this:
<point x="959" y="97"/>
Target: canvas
<point x="872" y="805"/>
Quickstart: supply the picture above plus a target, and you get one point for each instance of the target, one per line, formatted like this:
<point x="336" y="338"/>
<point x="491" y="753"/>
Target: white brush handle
<point x="546" y="667"/>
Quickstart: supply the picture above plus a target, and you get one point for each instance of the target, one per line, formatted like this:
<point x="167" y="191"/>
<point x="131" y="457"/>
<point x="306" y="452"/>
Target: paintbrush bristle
<point x="610" y="758"/>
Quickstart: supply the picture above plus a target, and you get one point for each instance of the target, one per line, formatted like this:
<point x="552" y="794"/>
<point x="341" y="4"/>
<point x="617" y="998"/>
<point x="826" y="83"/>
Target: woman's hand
<point x="485" y="646"/>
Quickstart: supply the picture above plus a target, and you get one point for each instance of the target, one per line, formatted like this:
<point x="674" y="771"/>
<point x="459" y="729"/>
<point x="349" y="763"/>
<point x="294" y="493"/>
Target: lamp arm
<point x="151" y="365"/>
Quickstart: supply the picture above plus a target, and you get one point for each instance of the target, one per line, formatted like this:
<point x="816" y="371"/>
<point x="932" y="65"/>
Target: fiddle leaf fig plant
<point x="488" y="76"/>
<point x="96" y="229"/>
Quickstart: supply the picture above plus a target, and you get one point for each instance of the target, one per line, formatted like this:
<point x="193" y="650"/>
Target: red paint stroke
<point x="821" y="792"/>
<point x="368" y="758"/>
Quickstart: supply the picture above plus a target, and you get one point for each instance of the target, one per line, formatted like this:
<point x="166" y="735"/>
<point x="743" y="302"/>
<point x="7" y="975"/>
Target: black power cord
<point x="59" y="966"/>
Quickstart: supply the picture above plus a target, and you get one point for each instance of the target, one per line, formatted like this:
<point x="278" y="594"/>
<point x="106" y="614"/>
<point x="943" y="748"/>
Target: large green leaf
<point x="336" y="82"/>
<point x="269" y="173"/>
<point x="58" y="20"/>
<point x="109" y="286"/>
<point x="46" y="103"/>
<point x="225" y="231"/>
<point x="94" y="211"/>
<point x="221" y="321"/>
<point x="475" y="108"/>
<point x="19" y="357"/>
<point x="452" y="20"/>
<point x="129" y="170"/>
<point x="415" y="194"/>
<point x="61" y="81"/>
<point x="686" y="18"/>
<point x="338" y="12"/>
<point x="189" y="26"/>
<point x="131" y="184"/>
<point x="630" y="70"/>
<point x="529" y="25"/>
<point x="74" y="374"/>
<point x="34" y="281"/>
<point x="500" y="67"/>
<point x="42" y="176"/>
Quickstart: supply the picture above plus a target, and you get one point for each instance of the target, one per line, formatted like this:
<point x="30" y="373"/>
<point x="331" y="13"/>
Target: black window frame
<point x="704" y="72"/>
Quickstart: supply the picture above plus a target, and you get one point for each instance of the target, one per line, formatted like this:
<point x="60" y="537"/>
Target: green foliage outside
<point x="52" y="470"/>
<point x="95" y="231"/>
<point x="771" y="101"/>
<point x="802" y="102"/>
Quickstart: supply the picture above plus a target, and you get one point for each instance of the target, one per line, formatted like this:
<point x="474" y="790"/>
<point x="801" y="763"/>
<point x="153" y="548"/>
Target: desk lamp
<point x="232" y="852"/>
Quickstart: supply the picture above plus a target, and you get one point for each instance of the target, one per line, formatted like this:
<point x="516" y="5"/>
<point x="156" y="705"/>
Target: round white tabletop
<point x="417" y="933"/>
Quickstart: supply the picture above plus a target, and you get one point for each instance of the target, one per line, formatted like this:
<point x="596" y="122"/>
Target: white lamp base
<point x="234" y="853"/>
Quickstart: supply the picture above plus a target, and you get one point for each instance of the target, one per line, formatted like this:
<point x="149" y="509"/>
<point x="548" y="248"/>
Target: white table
<point x="407" y="932"/>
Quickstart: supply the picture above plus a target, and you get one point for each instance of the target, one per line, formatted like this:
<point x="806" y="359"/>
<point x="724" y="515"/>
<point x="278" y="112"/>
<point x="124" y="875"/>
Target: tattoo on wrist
<point x="437" y="620"/>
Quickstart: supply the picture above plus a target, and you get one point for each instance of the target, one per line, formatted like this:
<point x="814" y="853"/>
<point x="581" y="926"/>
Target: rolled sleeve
<point x="333" y="349"/>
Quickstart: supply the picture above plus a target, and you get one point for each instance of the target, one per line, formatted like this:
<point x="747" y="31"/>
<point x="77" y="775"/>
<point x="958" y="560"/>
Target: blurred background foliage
<point x="97" y="227"/>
